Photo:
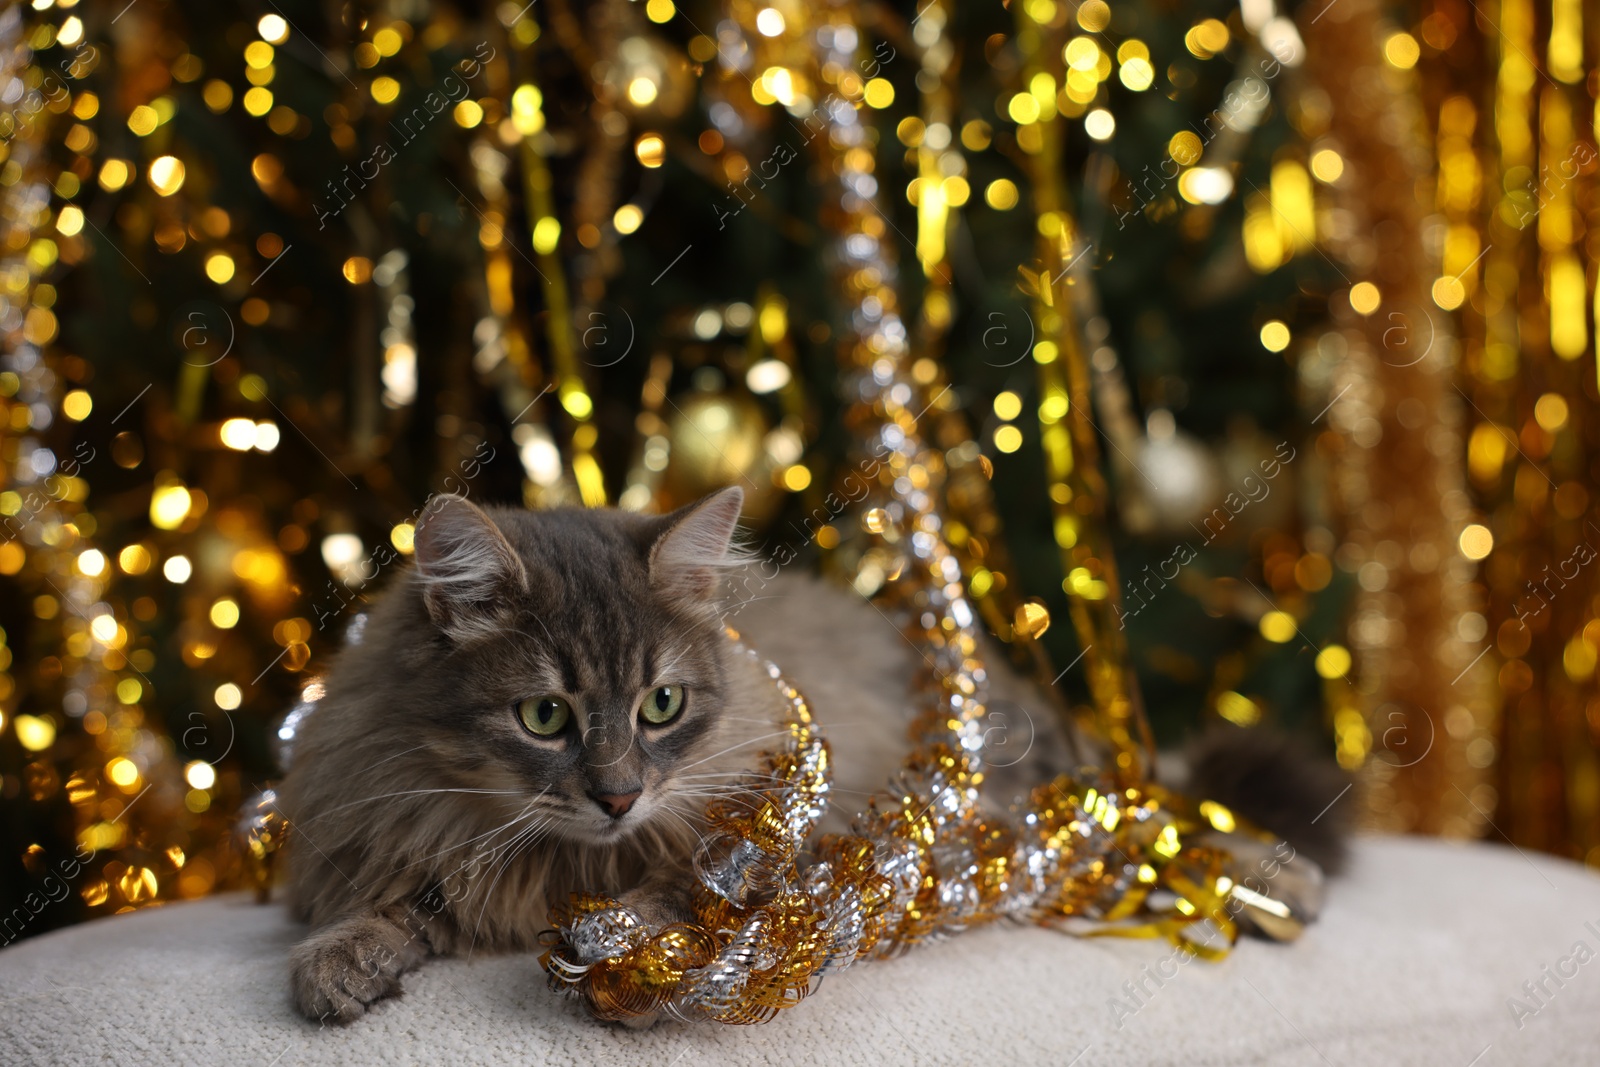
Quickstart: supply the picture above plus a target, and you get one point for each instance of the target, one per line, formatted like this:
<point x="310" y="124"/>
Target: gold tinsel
<point x="1517" y="182"/>
<point x="1070" y="438"/>
<point x="86" y="733"/>
<point x="927" y="859"/>
<point x="1395" y="437"/>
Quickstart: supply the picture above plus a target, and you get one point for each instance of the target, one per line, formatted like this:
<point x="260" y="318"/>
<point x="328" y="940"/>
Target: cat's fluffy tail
<point x="1278" y="783"/>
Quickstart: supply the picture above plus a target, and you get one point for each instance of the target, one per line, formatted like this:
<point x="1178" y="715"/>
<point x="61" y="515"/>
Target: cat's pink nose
<point x="616" y="804"/>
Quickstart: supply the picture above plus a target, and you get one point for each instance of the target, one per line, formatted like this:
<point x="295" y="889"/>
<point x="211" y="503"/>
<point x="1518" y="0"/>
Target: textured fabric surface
<point x="1416" y="961"/>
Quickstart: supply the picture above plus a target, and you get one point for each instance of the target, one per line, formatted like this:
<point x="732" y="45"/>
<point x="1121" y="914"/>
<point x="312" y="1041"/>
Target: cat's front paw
<point x="659" y="904"/>
<point x="336" y="973"/>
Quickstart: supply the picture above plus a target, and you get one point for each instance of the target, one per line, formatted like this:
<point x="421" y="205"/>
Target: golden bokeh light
<point x="1476" y="541"/>
<point x="1365" y="298"/>
<point x="166" y="175"/>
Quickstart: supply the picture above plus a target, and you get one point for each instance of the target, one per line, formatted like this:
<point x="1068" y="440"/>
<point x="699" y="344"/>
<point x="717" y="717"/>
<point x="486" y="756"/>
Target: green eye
<point x="544" y="716"/>
<point x="662" y="704"/>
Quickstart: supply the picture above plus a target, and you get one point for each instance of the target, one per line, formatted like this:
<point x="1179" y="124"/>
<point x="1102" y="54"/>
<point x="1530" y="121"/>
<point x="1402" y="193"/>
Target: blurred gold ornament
<point x="715" y="440"/>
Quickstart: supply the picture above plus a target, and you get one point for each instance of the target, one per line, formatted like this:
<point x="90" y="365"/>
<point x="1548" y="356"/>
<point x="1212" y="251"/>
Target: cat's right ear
<point x="687" y="561"/>
<point x="469" y="571"/>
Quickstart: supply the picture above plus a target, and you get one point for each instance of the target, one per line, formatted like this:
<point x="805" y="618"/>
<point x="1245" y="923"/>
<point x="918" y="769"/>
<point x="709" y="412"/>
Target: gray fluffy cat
<point x="544" y="703"/>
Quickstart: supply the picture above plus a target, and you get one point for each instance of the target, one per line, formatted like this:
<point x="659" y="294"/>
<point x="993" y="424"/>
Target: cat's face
<point x="584" y="654"/>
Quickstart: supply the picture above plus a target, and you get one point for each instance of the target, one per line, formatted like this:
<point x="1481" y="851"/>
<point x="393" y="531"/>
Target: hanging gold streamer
<point x="974" y="530"/>
<point x="1394" y="418"/>
<point x="528" y="119"/>
<point x="506" y="354"/>
<point x="79" y="719"/>
<point x="1530" y="327"/>
<point x="1071" y="447"/>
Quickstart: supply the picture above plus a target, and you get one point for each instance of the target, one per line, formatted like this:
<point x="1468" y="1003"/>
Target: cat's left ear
<point x="687" y="560"/>
<point x="467" y="567"/>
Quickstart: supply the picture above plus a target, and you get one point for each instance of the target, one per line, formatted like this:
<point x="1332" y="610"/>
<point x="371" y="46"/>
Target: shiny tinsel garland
<point x="925" y="858"/>
<point x="922" y="863"/>
<point x="1523" y="181"/>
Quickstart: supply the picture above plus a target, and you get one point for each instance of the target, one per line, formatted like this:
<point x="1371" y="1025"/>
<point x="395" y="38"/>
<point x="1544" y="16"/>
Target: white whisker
<point x="741" y="744"/>
<point x="504" y="865"/>
<point x="410" y="793"/>
<point x="527" y="810"/>
<point x="675" y="813"/>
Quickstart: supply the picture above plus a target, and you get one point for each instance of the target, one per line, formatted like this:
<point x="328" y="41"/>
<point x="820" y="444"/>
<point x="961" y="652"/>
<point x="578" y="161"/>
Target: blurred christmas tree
<point x="273" y="279"/>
